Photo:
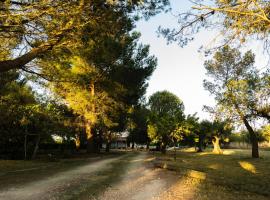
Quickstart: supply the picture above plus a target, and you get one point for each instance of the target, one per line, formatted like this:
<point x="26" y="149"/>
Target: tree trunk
<point x="92" y="146"/>
<point x="147" y="145"/>
<point x="174" y="151"/>
<point x="108" y="146"/>
<point x="158" y="147"/>
<point x="253" y="138"/>
<point x="77" y="142"/>
<point x="252" y="134"/>
<point x="163" y="148"/>
<point x="133" y="145"/>
<point x="216" y="145"/>
<point x="200" y="145"/>
<point x="36" y="148"/>
<point x="20" y="62"/>
<point x="25" y="147"/>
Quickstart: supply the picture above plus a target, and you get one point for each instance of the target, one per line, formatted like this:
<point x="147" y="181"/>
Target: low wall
<point x="244" y="145"/>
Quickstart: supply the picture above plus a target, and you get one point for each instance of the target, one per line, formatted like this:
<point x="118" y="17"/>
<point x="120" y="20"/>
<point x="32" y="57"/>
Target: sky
<point x="181" y="70"/>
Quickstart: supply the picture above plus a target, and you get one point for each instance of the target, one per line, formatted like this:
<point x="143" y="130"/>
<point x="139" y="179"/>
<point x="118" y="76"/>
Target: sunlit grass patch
<point x="248" y="166"/>
<point x="235" y="169"/>
<point x="214" y="166"/>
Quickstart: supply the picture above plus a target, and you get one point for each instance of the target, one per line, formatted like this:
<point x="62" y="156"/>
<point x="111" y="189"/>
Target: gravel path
<point x="51" y="187"/>
<point x="140" y="182"/>
<point x="126" y="177"/>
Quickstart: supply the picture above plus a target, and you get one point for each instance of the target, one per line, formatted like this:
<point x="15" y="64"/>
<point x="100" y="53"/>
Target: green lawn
<point x="233" y="173"/>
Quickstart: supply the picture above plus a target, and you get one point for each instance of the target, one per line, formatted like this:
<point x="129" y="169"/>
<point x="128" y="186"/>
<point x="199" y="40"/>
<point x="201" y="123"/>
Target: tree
<point x="237" y="21"/>
<point x="235" y="83"/>
<point x="216" y="132"/>
<point x="100" y="85"/>
<point x="205" y="131"/>
<point x="25" y="121"/>
<point x="221" y="132"/>
<point x="139" y="119"/>
<point x="15" y="96"/>
<point x="265" y="132"/>
<point x="37" y="27"/>
<point x="186" y="130"/>
<point x="166" y="113"/>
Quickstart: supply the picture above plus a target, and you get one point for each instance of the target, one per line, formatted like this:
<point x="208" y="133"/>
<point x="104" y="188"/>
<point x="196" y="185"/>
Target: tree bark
<point x="108" y="146"/>
<point x="147" y="145"/>
<point x="77" y="142"/>
<point x="252" y="134"/>
<point x="216" y="145"/>
<point x="36" y="148"/>
<point x="163" y="148"/>
<point x="20" y="62"/>
<point x="92" y="146"/>
<point x="25" y="147"/>
<point x="253" y="138"/>
<point x="200" y="145"/>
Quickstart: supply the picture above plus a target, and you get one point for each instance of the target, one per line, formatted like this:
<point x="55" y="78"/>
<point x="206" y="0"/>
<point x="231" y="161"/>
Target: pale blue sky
<point x="181" y="70"/>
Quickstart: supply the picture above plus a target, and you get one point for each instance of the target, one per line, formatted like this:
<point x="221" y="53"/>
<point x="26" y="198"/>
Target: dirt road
<point x="127" y="176"/>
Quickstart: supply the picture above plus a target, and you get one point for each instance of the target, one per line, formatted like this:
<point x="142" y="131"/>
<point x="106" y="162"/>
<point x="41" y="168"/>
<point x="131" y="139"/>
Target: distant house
<point x="120" y="141"/>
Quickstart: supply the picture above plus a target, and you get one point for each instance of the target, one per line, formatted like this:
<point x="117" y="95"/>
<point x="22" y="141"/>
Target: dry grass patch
<point x="234" y="171"/>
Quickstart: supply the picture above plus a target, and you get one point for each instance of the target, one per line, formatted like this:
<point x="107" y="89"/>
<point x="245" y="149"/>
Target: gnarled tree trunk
<point x="216" y="145"/>
<point x="253" y="138"/>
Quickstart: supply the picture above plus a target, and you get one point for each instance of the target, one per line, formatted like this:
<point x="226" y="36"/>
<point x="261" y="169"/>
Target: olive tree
<point x="238" y="87"/>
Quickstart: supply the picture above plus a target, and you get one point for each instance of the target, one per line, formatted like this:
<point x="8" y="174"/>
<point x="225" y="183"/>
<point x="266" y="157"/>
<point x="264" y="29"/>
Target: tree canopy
<point x="167" y="111"/>
<point x="37" y="27"/>
<point x="237" y="21"/>
<point x="238" y="88"/>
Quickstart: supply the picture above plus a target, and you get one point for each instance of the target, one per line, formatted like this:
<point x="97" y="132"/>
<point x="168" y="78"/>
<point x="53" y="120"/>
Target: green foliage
<point x="45" y="25"/>
<point x="265" y="132"/>
<point x="89" y="57"/>
<point x="165" y="117"/>
<point x="139" y="126"/>
<point x="222" y="129"/>
<point x="186" y="130"/>
<point x="239" y="89"/>
<point x="240" y="137"/>
<point x="21" y="114"/>
<point x="237" y="21"/>
<point x="102" y="87"/>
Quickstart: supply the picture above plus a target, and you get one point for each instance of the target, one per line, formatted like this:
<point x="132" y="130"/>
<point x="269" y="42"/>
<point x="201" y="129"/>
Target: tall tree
<point x="233" y="80"/>
<point x="138" y="126"/>
<point x="167" y="111"/>
<point x="101" y="85"/>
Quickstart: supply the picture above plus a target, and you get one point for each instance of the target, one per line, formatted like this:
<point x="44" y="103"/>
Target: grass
<point x="86" y="186"/>
<point x="17" y="172"/>
<point x="203" y="176"/>
<point x="234" y="171"/>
